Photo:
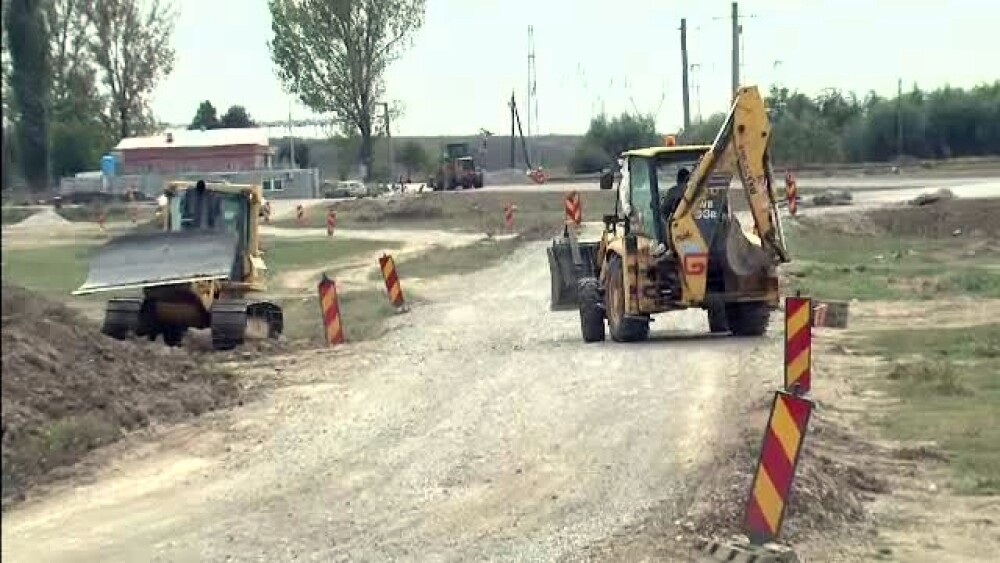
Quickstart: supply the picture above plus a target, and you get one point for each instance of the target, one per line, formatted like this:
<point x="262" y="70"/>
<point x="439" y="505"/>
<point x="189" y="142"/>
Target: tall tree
<point x="333" y="54"/>
<point x="27" y="39"/>
<point x="132" y="49"/>
<point x="236" y="117"/>
<point x="74" y="88"/>
<point x="206" y="117"/>
<point x="413" y="157"/>
<point x="80" y="130"/>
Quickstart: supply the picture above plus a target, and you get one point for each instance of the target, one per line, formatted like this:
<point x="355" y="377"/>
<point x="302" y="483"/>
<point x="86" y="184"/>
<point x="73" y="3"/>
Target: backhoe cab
<point x="199" y="271"/>
<point x="674" y="243"/>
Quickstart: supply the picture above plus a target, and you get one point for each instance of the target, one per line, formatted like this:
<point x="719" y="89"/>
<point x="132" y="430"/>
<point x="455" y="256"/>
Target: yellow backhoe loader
<point x="674" y="242"/>
<point x="199" y="271"/>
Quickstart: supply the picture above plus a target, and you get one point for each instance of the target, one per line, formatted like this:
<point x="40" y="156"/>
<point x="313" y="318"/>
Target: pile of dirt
<point x="945" y="218"/>
<point x="828" y="496"/>
<point x="68" y="389"/>
<point x="45" y="219"/>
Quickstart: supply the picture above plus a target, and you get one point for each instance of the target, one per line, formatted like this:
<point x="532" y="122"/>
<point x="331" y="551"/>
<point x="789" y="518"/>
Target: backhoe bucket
<point x="566" y="265"/>
<point x="161" y="258"/>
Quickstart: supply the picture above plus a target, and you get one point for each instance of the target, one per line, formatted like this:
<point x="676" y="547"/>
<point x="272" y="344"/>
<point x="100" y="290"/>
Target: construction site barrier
<point x="792" y="194"/>
<point x="331" y="222"/>
<point x="830" y="314"/>
<point x="393" y="287"/>
<point x="798" y="345"/>
<point x="574" y="208"/>
<point x="538" y="175"/>
<point x="133" y="209"/>
<point x="329" y="304"/>
<point x="779" y="457"/>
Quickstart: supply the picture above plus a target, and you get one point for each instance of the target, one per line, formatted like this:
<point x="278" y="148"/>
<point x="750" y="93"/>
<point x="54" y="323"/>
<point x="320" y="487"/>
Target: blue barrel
<point x="109" y="165"/>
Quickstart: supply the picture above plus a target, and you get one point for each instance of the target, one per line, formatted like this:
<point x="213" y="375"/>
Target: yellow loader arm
<point x="741" y="146"/>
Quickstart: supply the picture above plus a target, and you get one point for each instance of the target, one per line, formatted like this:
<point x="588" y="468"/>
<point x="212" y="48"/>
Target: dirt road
<point x="481" y="427"/>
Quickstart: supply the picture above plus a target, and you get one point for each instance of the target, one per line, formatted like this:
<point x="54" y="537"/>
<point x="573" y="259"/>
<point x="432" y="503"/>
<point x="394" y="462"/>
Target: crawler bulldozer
<point x="674" y="242"/>
<point x="200" y="270"/>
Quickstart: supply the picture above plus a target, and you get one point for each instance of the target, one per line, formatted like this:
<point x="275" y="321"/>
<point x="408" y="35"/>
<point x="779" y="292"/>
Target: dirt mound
<point x="827" y="498"/>
<point x="68" y="389"/>
<point x="45" y="219"/>
<point x="944" y="218"/>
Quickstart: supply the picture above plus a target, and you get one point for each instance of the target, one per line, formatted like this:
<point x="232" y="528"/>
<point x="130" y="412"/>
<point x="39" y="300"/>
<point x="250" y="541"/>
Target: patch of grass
<point x="284" y="254"/>
<point x="950" y="394"/>
<point x="363" y="314"/>
<point x="976" y="281"/>
<point x="953" y="344"/>
<point x="537" y="215"/>
<point x="11" y="215"/>
<point x="52" y="270"/>
<point x="113" y="213"/>
<point x="836" y="265"/>
<point x="60" y="442"/>
<point x="439" y="261"/>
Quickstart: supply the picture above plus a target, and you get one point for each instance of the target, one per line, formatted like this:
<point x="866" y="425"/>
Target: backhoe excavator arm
<point x="741" y="146"/>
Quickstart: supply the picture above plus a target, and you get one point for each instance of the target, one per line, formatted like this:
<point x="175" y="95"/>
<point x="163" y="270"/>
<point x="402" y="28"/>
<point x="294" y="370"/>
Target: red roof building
<point x="215" y="150"/>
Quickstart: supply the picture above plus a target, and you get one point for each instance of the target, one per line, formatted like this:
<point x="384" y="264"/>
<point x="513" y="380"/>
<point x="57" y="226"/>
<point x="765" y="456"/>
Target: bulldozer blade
<point x="564" y="271"/>
<point x="162" y="258"/>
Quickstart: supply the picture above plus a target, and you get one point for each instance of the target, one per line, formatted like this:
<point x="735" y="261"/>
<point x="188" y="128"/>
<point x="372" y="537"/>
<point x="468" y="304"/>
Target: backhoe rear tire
<point x="748" y="319"/>
<point x="591" y="312"/>
<point x="621" y="327"/>
<point x="717" y="322"/>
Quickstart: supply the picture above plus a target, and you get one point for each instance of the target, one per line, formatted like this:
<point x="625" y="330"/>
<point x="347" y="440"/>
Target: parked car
<point x="345" y="188"/>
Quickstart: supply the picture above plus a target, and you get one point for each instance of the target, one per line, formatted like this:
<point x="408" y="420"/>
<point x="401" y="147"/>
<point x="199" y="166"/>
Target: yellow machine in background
<point x="674" y="242"/>
<point x="200" y="271"/>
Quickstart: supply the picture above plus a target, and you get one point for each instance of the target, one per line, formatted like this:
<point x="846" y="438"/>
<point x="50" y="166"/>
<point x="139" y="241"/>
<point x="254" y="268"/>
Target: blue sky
<point x="470" y="54"/>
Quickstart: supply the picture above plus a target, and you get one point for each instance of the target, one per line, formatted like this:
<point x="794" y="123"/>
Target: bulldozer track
<point x="233" y="320"/>
<point x="121" y="317"/>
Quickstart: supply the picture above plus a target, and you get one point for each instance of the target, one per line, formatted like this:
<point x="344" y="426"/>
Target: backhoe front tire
<point x="748" y="319"/>
<point x="621" y="327"/>
<point x="591" y="312"/>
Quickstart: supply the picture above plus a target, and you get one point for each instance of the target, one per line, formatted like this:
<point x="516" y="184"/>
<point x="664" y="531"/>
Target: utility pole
<point x="531" y="76"/>
<point x="513" y="149"/>
<point x="291" y="138"/>
<point x="736" y="48"/>
<point x="388" y="139"/>
<point x="899" y="119"/>
<point x="684" y="75"/>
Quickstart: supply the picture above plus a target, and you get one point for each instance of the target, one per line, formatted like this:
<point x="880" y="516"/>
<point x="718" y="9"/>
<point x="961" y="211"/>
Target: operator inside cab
<point x="201" y="209"/>
<point x="670" y="201"/>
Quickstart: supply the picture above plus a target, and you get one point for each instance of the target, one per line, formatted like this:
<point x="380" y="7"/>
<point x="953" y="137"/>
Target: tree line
<point x="833" y="127"/>
<point x="77" y="76"/>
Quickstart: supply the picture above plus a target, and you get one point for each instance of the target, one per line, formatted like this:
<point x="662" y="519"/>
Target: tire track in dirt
<point x="480" y="427"/>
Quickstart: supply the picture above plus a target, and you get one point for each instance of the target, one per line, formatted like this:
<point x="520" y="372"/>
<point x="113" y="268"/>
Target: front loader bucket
<point x="569" y="260"/>
<point x="161" y="258"/>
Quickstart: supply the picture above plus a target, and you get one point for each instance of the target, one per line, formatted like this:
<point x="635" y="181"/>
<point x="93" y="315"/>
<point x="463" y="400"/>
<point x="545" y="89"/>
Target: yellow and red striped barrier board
<point x="329" y="306"/>
<point x="779" y="456"/>
<point x="508" y="215"/>
<point x="574" y="208"/>
<point x="331" y="222"/>
<point x="798" y="345"/>
<point x="391" y="277"/>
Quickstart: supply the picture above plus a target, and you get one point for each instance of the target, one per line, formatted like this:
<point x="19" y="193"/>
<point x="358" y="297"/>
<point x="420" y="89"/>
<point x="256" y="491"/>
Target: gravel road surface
<point x="480" y="427"/>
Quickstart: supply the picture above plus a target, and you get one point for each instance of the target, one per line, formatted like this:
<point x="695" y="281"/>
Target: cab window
<point x="641" y="197"/>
